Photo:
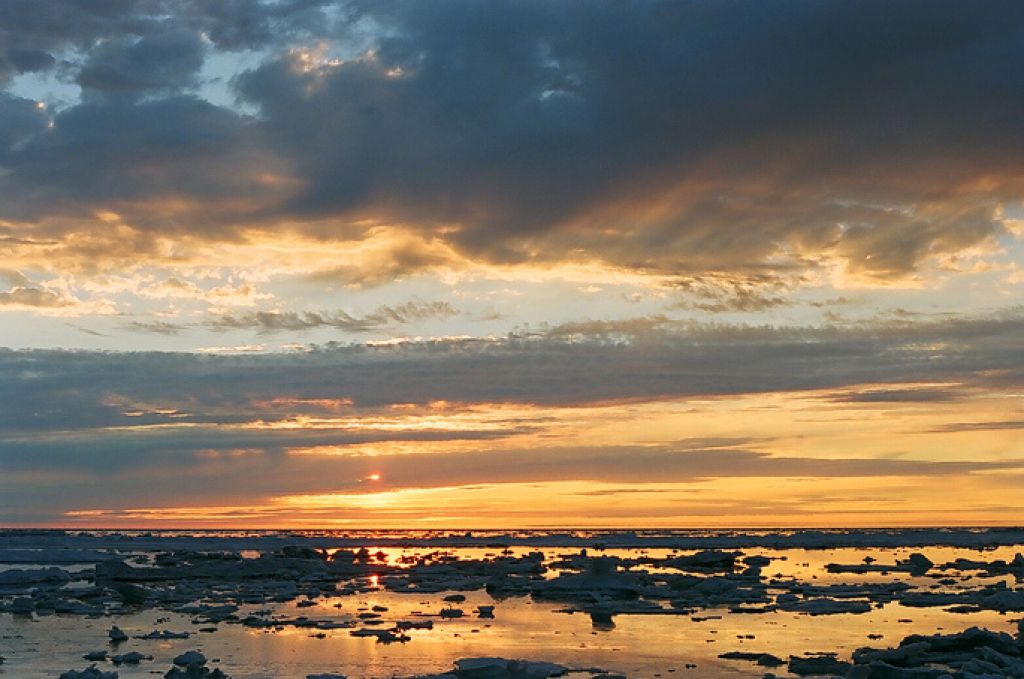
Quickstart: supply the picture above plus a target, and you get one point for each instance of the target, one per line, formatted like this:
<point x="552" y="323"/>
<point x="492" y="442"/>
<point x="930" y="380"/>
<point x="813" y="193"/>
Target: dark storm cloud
<point x="20" y="122"/>
<point x="164" y="61"/>
<point x="30" y="28"/>
<point x="114" y="153"/>
<point x="532" y="125"/>
<point x="683" y="136"/>
<point x="256" y="24"/>
<point x="28" y="60"/>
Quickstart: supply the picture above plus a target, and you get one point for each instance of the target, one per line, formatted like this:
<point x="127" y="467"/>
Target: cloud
<point x="385" y="316"/>
<point x="585" y="363"/>
<point x="832" y="302"/>
<point x="621" y="330"/>
<point x="51" y="298"/>
<point x="34" y="31"/>
<point x="638" y="464"/>
<point x="258" y="477"/>
<point x="212" y="167"/>
<point x="87" y="331"/>
<point x="912" y="395"/>
<point x="139" y="449"/>
<point x="165" y="61"/>
<point x="673" y="138"/>
<point x="28" y="60"/>
<point x="14" y="278"/>
<point x="155" y="162"/>
<point x="256" y="24"/>
<point x="957" y="427"/>
<point x="33" y="297"/>
<point x="20" y="121"/>
<point x="390" y="256"/>
<point x="155" y="327"/>
<point x="726" y="151"/>
<point x="163" y="428"/>
<point x="723" y="293"/>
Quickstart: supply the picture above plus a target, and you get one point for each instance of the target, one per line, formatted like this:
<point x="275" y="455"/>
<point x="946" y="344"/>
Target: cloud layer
<point x="662" y="136"/>
<point x="646" y="359"/>
<point x="559" y="197"/>
<point x="271" y="425"/>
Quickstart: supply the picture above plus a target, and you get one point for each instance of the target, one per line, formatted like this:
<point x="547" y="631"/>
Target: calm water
<point x="637" y="645"/>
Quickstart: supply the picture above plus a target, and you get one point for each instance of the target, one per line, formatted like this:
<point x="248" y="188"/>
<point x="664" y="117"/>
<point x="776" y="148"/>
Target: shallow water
<point x="637" y="645"/>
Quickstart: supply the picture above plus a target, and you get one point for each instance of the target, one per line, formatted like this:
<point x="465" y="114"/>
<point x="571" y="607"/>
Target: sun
<point x="374" y="477"/>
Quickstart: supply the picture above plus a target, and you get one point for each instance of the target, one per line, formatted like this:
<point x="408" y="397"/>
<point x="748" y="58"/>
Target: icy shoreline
<point x="134" y="603"/>
<point x="12" y="540"/>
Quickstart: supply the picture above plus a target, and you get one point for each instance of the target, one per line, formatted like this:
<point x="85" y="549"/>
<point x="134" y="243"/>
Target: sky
<point x="466" y="264"/>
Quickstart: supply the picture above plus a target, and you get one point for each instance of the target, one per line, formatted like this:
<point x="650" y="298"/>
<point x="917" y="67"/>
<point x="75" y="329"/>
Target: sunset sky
<point x="306" y="263"/>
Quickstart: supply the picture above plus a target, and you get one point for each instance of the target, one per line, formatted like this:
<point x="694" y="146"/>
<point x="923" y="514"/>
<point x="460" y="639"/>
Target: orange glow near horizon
<point x="754" y="503"/>
<point x="530" y="491"/>
<point x="832" y="426"/>
<point x="317" y="267"/>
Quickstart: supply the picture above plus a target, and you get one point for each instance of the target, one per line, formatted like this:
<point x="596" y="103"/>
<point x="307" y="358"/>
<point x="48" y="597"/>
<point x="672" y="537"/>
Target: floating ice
<point x="88" y="673"/>
<point x="190" y="658"/>
<point x="130" y="658"/>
